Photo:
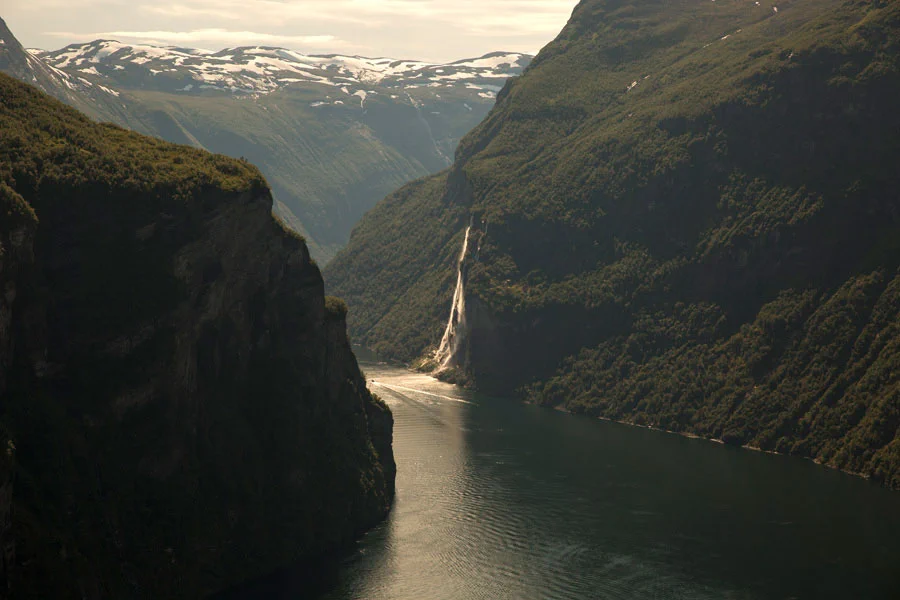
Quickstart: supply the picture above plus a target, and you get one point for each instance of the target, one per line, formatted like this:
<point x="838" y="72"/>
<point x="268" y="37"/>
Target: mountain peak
<point x="15" y="60"/>
<point x="75" y="89"/>
<point x="5" y="33"/>
<point x="8" y="41"/>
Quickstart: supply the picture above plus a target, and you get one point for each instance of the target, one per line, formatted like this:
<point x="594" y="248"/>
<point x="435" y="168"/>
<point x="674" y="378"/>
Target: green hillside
<point x="688" y="218"/>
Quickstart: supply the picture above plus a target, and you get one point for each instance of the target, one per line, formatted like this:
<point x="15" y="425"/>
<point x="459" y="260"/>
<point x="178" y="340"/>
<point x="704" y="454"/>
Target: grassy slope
<point x="674" y="253"/>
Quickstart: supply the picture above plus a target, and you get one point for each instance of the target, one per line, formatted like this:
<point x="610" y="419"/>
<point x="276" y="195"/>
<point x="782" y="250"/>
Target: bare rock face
<point x="182" y="414"/>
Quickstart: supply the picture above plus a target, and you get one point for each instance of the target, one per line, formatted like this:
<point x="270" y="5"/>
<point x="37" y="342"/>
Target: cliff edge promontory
<point x="180" y="409"/>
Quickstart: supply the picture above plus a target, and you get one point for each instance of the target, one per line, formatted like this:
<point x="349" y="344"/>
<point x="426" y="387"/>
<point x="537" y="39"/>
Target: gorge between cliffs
<point x="679" y="217"/>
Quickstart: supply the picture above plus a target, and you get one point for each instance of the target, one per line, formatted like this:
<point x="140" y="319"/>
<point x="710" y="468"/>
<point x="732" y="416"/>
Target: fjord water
<point x="499" y="500"/>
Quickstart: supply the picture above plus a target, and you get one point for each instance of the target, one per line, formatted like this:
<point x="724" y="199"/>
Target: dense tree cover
<point x="813" y="374"/>
<point x="689" y="218"/>
<point x="45" y="143"/>
<point x="183" y="407"/>
<point x="335" y="308"/>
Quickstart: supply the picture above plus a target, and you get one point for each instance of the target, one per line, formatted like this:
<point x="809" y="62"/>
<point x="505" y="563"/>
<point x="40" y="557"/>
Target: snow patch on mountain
<point x="262" y="70"/>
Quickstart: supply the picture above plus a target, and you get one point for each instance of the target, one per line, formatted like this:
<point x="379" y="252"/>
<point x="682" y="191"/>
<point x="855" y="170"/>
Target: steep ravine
<point x="183" y="411"/>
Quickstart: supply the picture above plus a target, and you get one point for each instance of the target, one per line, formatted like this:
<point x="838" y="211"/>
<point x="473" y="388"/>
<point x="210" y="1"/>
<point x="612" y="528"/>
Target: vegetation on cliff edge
<point x="183" y="415"/>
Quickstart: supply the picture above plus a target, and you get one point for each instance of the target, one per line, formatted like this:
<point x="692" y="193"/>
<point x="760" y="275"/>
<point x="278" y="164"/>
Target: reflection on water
<point x="496" y="500"/>
<point x="418" y="546"/>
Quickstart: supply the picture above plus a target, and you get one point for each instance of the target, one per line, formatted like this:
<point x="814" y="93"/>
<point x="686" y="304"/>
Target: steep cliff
<point x="690" y="221"/>
<point x="182" y="411"/>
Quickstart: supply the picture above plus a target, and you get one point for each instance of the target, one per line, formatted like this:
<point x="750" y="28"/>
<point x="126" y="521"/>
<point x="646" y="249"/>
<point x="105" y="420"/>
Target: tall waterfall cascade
<point x="446" y="354"/>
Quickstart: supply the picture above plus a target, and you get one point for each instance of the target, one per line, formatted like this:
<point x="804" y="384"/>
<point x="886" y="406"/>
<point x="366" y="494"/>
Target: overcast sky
<point x="436" y="30"/>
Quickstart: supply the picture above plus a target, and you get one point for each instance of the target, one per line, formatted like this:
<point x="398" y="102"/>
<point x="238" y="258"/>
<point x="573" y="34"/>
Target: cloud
<point x="517" y="25"/>
<point x="422" y="29"/>
<point x="486" y="17"/>
<point x="216" y="36"/>
<point x="179" y="11"/>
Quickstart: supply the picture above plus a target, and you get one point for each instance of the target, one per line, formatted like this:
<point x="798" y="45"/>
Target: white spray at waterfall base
<point x="445" y="355"/>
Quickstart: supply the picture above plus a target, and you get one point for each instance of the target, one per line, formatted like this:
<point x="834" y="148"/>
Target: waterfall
<point x="445" y="355"/>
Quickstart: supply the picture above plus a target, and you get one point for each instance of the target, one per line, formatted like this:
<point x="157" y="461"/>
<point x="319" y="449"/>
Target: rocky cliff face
<point x="692" y="224"/>
<point x="184" y="414"/>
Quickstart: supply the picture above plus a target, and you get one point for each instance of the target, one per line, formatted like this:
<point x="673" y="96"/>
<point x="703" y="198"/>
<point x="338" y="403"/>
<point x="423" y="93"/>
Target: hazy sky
<point x="437" y="30"/>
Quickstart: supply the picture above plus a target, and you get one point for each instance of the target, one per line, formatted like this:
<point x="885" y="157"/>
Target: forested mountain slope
<point x="179" y="405"/>
<point x="331" y="134"/>
<point x="686" y="216"/>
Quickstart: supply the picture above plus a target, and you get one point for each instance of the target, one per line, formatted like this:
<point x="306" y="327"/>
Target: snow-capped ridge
<point x="264" y="69"/>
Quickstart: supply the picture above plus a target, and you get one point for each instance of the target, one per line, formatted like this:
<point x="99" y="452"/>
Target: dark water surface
<point x="498" y="500"/>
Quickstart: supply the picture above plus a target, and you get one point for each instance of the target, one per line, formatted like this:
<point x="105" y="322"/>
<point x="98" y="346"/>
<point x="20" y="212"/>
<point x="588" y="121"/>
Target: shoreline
<point x="685" y="434"/>
<point x="694" y="436"/>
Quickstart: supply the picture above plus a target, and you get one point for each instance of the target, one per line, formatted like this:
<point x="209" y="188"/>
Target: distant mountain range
<point x="262" y="70"/>
<point x="332" y="134"/>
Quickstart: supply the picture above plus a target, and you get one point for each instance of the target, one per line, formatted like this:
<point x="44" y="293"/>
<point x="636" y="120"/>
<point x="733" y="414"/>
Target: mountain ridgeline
<point x="688" y="218"/>
<point x="331" y="134"/>
<point x="179" y="404"/>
